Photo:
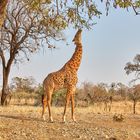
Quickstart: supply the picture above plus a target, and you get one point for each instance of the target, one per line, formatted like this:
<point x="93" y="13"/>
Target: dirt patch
<point x="24" y="123"/>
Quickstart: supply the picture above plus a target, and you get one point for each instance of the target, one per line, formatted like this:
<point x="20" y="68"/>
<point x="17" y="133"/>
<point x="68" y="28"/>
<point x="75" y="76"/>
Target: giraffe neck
<point x="75" y="60"/>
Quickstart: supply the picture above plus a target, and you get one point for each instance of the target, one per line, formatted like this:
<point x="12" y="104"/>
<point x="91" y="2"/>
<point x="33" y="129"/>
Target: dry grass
<point x="24" y="123"/>
<point x="117" y="107"/>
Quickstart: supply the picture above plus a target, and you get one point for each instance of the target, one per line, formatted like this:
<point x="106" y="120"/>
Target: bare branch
<point x="2" y="58"/>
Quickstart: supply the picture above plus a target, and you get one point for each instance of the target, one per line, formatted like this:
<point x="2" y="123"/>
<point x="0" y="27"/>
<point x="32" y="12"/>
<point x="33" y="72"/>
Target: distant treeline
<point x="26" y="91"/>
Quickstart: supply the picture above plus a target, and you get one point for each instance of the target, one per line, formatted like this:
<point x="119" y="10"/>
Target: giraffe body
<point x="66" y="77"/>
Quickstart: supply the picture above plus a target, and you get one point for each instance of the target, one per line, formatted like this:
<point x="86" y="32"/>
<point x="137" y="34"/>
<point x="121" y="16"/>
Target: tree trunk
<point x="5" y="85"/>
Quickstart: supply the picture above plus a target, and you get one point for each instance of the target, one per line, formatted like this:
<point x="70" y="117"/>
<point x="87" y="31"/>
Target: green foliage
<point x="124" y="4"/>
<point x="78" y="13"/>
<point x="39" y="89"/>
<point x="137" y="3"/>
<point x="58" y="97"/>
<point x="62" y="13"/>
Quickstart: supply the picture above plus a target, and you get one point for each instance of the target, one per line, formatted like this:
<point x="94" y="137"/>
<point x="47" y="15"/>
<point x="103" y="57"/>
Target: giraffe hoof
<point x="74" y="120"/>
<point x="43" y="117"/>
<point x="64" y="119"/>
<point x="51" y="120"/>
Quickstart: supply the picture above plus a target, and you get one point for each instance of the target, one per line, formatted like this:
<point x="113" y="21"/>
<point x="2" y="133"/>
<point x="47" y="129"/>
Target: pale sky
<point x="112" y="42"/>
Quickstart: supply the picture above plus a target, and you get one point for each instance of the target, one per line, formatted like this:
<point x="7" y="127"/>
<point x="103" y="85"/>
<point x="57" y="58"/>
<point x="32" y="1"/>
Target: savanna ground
<point x="93" y="123"/>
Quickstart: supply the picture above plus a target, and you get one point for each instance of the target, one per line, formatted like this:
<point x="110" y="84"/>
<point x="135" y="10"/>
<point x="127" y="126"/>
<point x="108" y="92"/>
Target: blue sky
<point x="112" y="42"/>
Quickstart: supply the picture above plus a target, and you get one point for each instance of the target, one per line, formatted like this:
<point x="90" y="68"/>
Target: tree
<point x="106" y="97"/>
<point x="99" y="92"/>
<point x="78" y="11"/>
<point x="122" y="90"/>
<point x="22" y="34"/>
<point x="125" y="4"/>
<point x="134" y="67"/>
<point x="82" y="13"/>
<point x="134" y="95"/>
<point x="90" y="6"/>
<point x="23" y="84"/>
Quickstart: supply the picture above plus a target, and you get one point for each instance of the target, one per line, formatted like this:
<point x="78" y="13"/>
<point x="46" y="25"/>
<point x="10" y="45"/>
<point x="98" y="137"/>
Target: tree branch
<point x="2" y="58"/>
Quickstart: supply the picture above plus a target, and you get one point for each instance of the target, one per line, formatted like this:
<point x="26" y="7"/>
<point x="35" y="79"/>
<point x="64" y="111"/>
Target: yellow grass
<point x="117" y="107"/>
<point x="24" y="123"/>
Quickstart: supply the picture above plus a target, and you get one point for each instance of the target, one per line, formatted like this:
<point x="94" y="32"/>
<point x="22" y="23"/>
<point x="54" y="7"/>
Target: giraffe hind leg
<point x="46" y="101"/>
<point x="66" y="105"/>
<point x="44" y="104"/>
<point x="49" y="106"/>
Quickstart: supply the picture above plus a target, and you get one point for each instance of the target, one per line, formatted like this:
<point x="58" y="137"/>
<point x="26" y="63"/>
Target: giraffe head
<point x="77" y="38"/>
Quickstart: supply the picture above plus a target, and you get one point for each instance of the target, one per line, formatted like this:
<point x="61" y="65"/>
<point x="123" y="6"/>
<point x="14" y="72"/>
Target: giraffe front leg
<point x="66" y="105"/>
<point x="72" y="107"/>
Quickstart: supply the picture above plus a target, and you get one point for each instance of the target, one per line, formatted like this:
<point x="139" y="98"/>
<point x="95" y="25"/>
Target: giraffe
<point x="66" y="77"/>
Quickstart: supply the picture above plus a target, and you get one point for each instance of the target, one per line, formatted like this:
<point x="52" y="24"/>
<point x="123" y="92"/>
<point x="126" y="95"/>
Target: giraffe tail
<point x="43" y="100"/>
<point x="42" y="97"/>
